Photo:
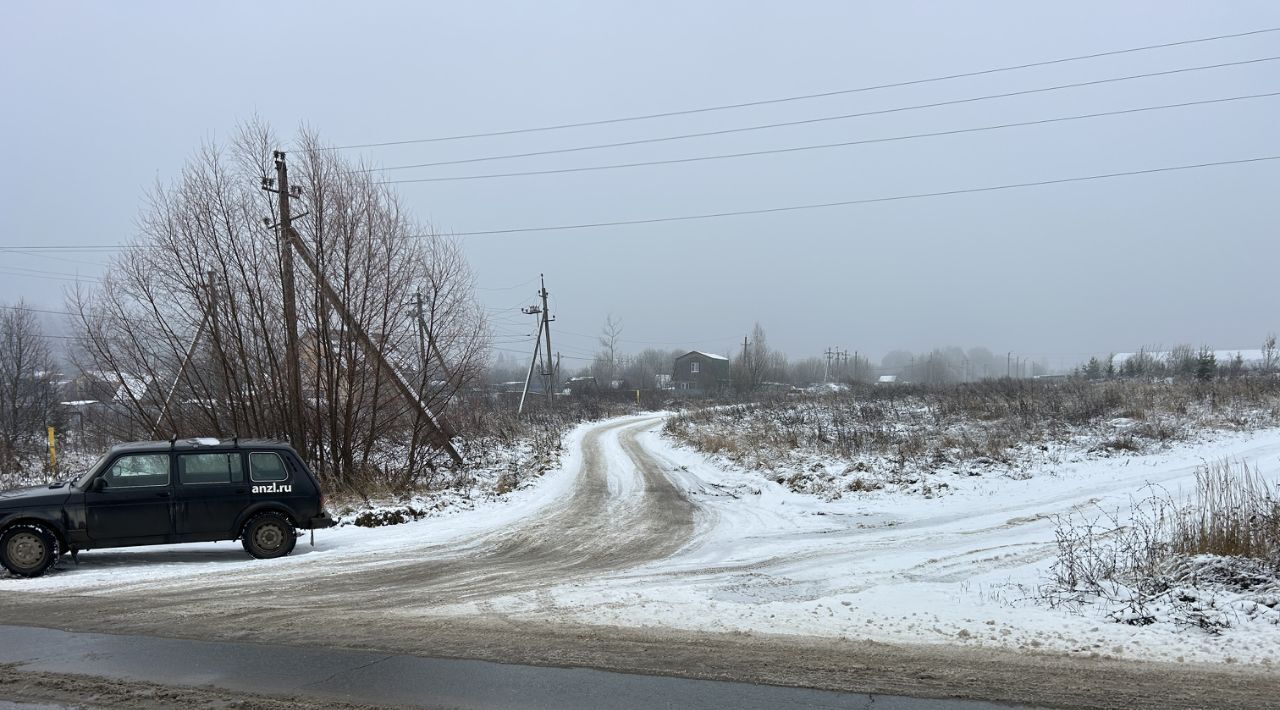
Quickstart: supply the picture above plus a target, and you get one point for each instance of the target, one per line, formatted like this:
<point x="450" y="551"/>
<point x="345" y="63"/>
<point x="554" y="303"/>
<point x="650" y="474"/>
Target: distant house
<point x="105" y="387"/>
<point x="581" y="386"/>
<point x="517" y="387"/>
<point x="702" y="373"/>
<point x="887" y="380"/>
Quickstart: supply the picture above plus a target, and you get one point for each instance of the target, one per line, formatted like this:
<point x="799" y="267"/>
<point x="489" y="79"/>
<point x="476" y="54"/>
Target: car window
<point x="138" y="471"/>
<point x="200" y="469"/>
<point x="83" y="478"/>
<point x="267" y="467"/>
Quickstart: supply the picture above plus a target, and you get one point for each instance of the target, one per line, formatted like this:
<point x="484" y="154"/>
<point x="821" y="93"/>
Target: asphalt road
<point x="389" y="679"/>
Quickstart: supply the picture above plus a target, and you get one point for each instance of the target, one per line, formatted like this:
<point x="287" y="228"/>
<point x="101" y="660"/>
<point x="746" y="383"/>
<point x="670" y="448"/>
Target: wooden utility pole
<point x="438" y="431"/>
<point x="228" y="387"/>
<point x="533" y="360"/>
<point x="422" y="338"/>
<point x="214" y="327"/>
<point x="549" y="373"/>
<point x="293" y="373"/>
<point x="205" y="314"/>
<point x="429" y="346"/>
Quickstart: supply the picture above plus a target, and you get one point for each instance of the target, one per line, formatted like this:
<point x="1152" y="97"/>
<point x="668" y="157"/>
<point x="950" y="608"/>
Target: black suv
<point x="159" y="492"/>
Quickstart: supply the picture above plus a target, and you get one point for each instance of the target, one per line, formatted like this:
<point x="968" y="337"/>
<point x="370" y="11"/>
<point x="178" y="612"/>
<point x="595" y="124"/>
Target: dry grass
<point x="1235" y="513"/>
<point x="1169" y="556"/>
<point x="982" y="422"/>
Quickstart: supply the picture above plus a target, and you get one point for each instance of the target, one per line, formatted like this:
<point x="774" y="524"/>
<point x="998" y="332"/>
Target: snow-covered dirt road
<point x="610" y="508"/>
<point x="642" y="557"/>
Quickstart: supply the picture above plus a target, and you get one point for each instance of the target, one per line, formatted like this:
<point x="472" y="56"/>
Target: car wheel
<point x="269" y="535"/>
<point x="28" y="550"/>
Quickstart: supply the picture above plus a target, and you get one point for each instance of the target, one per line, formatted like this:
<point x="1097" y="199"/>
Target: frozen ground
<point x="634" y="542"/>
<point x="454" y="516"/>
<point x="964" y="568"/>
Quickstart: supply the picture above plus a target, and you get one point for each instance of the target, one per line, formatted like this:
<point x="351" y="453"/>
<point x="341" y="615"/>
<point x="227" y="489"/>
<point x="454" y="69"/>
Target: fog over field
<point x="108" y="99"/>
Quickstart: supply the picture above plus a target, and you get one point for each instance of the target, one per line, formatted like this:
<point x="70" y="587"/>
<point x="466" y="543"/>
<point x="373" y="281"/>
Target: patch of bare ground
<point x="90" y="692"/>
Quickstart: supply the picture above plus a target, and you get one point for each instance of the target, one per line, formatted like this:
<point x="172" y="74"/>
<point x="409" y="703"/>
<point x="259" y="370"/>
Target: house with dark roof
<point x="700" y="373"/>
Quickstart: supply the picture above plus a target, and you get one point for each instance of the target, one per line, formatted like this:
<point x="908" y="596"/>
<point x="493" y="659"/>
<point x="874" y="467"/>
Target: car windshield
<point x="81" y="479"/>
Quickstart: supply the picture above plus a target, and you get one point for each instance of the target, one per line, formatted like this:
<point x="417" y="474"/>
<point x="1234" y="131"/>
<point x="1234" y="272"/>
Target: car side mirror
<point x="98" y="485"/>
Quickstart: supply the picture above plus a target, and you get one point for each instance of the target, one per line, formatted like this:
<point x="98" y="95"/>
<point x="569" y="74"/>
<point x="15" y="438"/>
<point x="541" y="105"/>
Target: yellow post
<point x="637" y="396"/>
<point x="53" y="451"/>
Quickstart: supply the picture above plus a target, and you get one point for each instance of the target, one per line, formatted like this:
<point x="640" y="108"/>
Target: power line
<point x="865" y="201"/>
<point x="55" y="258"/>
<point x="507" y="288"/>
<point x="71" y="248"/>
<point x="521" y="352"/>
<point x="80" y="247"/>
<point x="822" y="119"/>
<point x="142" y="320"/>
<point x="38" y="310"/>
<point x="651" y="342"/>
<point x="45" y="272"/>
<point x="48" y="275"/>
<point x="841" y="203"/>
<point x="78" y="338"/>
<point x="842" y="144"/>
<point x="802" y="97"/>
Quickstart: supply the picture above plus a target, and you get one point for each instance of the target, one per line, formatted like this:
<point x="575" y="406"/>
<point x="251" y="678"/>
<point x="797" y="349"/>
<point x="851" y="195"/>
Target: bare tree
<point x="203" y="248"/>
<point x="758" y="364"/>
<point x="28" y="387"/>
<point x="643" y="369"/>
<point x="1269" y="353"/>
<point x="606" y="363"/>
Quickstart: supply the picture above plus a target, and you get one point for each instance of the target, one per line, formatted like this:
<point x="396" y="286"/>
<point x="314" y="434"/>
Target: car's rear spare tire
<point x="27" y="550"/>
<point x="269" y="535"/>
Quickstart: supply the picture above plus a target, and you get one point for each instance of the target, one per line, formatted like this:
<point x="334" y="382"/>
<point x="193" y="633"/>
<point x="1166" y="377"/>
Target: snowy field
<point x="894" y="566"/>
<point x="964" y="568"/>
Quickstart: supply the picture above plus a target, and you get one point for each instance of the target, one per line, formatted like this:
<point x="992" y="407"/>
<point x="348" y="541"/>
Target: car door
<point x="211" y="493"/>
<point x="130" y="503"/>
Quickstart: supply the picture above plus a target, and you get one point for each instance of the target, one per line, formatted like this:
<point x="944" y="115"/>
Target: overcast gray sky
<point x="101" y="99"/>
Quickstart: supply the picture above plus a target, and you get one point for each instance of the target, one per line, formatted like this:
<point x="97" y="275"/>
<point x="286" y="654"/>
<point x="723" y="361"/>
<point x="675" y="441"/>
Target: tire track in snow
<point x="622" y="511"/>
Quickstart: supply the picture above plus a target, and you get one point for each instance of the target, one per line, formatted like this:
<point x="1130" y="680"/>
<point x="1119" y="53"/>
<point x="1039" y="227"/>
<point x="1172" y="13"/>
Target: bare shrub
<point x="1098" y="551"/>
<point x="1171" y="557"/>
<point x="1123" y="442"/>
<point x="861" y="485"/>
